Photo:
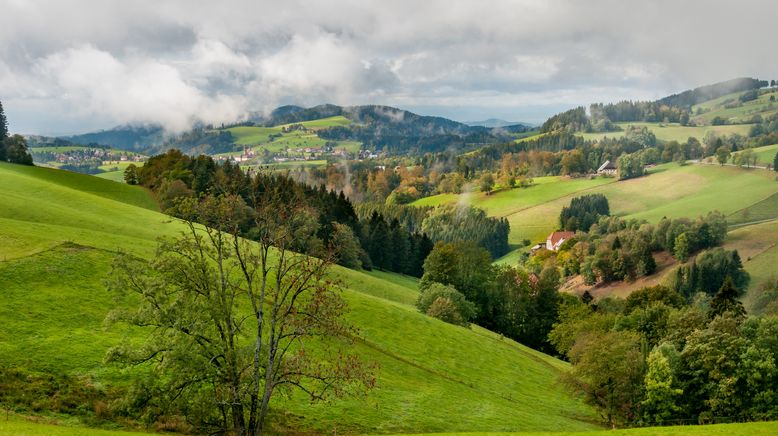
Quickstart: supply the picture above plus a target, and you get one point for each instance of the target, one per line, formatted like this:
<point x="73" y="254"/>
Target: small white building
<point x="556" y="239"/>
<point x="607" y="168"/>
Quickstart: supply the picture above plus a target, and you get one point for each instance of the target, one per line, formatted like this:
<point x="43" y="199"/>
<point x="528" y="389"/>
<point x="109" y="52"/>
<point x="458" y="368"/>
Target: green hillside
<point x="764" y="155"/>
<point x="275" y="139"/>
<point x="672" y="131"/>
<point x="731" y="108"/>
<point x="59" y="234"/>
<point x="751" y="428"/>
<point x="746" y="196"/>
<point x="16" y="425"/>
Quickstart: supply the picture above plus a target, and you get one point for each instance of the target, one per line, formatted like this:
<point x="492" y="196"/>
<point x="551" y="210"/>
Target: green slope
<point x="731" y="108"/>
<point x="672" y="131"/>
<point x="259" y="138"/>
<point x="747" y="196"/>
<point x="764" y="155"/>
<point x="58" y="234"/>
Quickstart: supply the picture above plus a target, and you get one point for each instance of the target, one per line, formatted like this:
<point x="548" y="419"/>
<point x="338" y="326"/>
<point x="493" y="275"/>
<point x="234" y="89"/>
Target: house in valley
<point x="556" y="239"/>
<point x="607" y="168"/>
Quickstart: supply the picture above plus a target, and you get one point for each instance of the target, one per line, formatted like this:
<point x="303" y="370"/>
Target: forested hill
<point x="381" y="128"/>
<point x="675" y="108"/>
<point x="125" y="137"/>
<point x="709" y="92"/>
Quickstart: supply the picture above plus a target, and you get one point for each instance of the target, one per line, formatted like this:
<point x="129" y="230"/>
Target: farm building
<point x="556" y="239"/>
<point x="607" y="168"/>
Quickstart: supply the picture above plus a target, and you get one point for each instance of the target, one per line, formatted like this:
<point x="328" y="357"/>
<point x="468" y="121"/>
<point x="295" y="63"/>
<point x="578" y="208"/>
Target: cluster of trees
<point x="654" y="359"/>
<point x="617" y="249"/>
<point x="603" y="117"/>
<point x="461" y="285"/>
<point x="391" y="247"/>
<point x="464" y="223"/>
<point x="707" y="272"/>
<point x="12" y="148"/>
<point x="564" y="153"/>
<point x="647" y="111"/>
<point x="199" y="140"/>
<point x="583" y="212"/>
<point x="447" y="223"/>
<point x="370" y="242"/>
<point x="630" y="166"/>
<point x="573" y="120"/>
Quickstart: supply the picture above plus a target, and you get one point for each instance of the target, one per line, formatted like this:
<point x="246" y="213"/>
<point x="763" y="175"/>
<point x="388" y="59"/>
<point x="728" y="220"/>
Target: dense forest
<point x="391" y="238"/>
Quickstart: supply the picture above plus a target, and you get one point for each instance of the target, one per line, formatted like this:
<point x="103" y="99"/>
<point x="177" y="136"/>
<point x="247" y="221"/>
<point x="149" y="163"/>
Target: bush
<point x="446" y="304"/>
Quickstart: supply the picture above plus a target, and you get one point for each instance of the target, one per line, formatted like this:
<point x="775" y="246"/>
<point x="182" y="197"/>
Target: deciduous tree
<point x="232" y="320"/>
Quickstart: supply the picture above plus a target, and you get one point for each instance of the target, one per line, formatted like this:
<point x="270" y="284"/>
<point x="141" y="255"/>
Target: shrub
<point x="447" y="304"/>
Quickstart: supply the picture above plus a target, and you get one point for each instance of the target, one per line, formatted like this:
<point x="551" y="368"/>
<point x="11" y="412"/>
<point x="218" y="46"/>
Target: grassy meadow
<point x="672" y="131"/>
<point x="60" y="232"/>
<point x="741" y="112"/>
<point x="764" y="155"/>
<point x="259" y="138"/>
<point x="746" y="196"/>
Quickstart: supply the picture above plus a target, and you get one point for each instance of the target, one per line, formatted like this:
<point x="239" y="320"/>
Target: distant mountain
<point x="46" y="141"/>
<point x="379" y="127"/>
<point x="496" y="122"/>
<point x="126" y="137"/>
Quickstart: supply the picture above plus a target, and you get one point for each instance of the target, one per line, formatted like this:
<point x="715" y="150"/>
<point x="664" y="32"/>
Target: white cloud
<point x="68" y="66"/>
<point x="93" y="81"/>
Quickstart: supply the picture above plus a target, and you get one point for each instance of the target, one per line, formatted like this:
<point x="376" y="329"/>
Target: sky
<point x="81" y="65"/>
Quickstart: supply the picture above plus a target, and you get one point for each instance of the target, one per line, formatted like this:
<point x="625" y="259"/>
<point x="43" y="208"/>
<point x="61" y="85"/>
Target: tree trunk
<point x="238" y="421"/>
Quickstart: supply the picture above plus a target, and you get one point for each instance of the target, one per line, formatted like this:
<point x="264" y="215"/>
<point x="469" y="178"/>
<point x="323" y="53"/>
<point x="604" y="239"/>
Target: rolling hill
<point x="61" y="230"/>
<point x="672" y="131"/>
<point x="379" y="127"/>
<point x="747" y="197"/>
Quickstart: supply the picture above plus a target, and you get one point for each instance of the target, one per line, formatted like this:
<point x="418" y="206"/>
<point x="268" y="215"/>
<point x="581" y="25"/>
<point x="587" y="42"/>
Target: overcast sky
<point x="75" y="66"/>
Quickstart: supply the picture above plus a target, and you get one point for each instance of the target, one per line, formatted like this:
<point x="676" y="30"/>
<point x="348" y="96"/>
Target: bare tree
<point x="234" y="319"/>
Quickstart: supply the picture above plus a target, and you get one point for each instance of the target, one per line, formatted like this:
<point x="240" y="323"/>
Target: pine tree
<point x="726" y="300"/>
<point x="3" y="134"/>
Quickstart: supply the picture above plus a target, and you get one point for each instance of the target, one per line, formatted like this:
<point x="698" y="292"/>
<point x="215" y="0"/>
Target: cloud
<point x="134" y="91"/>
<point x="82" y="65"/>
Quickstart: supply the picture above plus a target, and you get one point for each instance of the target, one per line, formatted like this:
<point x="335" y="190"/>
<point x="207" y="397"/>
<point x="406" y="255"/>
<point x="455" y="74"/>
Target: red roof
<point x="558" y="236"/>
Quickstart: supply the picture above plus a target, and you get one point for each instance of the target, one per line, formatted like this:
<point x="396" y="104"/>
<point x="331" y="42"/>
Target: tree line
<point x="369" y="242"/>
<point x="13" y="148"/>
<point x="658" y="358"/>
<point x="447" y="223"/>
<point x="461" y="285"/>
<point x="606" y="248"/>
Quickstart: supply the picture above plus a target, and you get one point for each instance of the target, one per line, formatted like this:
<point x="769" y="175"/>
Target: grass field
<point x="764" y="155"/>
<point x="323" y="123"/>
<point x="17" y="425"/>
<point x="673" y="131"/>
<point x="742" y="113"/>
<point x="745" y="196"/>
<point x="59" y="234"/>
<point x="259" y="138"/>
<point x="115" y="170"/>
<point x="738" y="429"/>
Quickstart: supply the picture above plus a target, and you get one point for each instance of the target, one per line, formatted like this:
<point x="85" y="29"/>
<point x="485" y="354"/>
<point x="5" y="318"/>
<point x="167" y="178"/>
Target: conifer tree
<point x="3" y="133"/>
<point x="726" y="300"/>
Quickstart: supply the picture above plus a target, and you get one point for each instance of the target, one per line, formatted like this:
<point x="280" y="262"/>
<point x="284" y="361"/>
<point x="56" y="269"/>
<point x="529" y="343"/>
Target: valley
<point x="612" y="267"/>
